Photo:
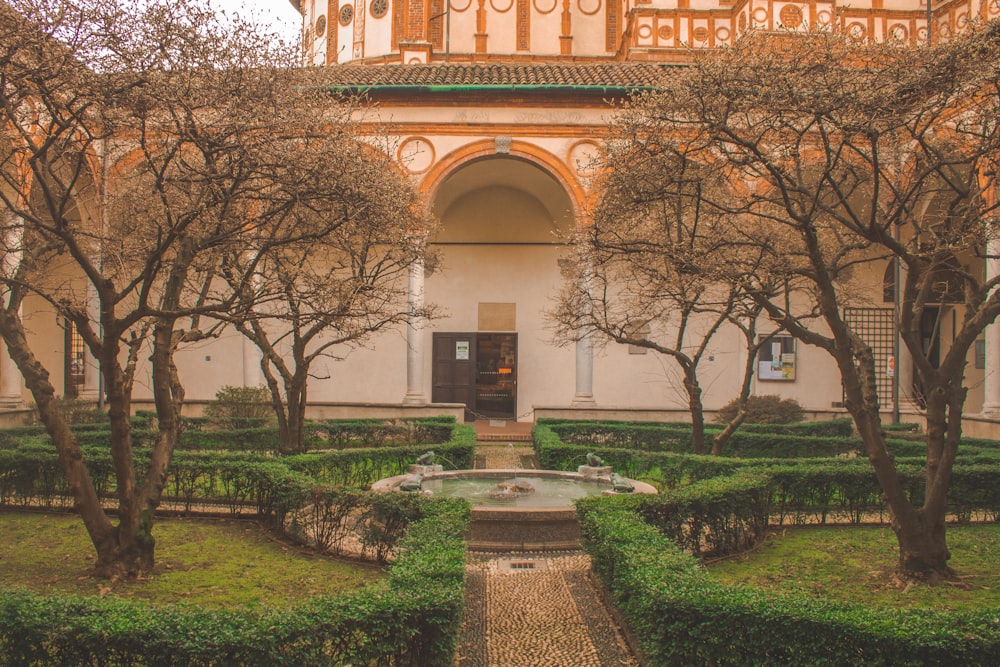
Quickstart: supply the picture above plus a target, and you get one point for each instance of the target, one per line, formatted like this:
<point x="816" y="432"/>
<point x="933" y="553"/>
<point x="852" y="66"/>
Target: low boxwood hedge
<point x="745" y="443"/>
<point x="31" y="475"/>
<point x="410" y="620"/>
<point x="680" y="617"/>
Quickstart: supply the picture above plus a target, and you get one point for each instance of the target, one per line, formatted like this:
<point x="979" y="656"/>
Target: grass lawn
<point x="211" y="563"/>
<point x="851" y="563"/>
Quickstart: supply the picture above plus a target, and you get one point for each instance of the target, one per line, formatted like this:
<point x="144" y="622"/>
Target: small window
<point x="74" y="361"/>
<point x="346" y="14"/>
<point x="379" y="8"/>
<point x="321" y="26"/>
<point x="776" y="359"/>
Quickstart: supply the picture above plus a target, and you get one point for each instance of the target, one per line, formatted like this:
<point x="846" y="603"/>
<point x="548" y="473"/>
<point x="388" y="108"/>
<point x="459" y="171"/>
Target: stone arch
<point x="486" y="148"/>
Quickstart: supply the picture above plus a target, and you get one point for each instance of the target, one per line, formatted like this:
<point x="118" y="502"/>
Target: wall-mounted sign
<point x="461" y="350"/>
<point x="776" y="360"/>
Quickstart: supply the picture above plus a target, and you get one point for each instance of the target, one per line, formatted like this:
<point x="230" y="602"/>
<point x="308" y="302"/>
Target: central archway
<point x="504" y="222"/>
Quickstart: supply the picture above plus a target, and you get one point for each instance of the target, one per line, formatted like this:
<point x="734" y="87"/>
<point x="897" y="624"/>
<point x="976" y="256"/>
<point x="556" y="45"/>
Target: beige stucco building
<point x="495" y="109"/>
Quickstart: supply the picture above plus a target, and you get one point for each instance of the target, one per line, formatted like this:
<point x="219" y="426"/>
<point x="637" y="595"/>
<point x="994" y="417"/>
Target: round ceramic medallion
<point x="545" y="6"/>
<point x="791" y="16"/>
<point x="582" y="157"/>
<point x="416" y="154"/>
<point x="700" y="34"/>
<point x="589" y="7"/>
<point x="665" y="32"/>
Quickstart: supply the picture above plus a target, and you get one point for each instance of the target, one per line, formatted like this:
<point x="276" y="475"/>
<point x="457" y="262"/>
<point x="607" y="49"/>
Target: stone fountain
<point x="513" y="508"/>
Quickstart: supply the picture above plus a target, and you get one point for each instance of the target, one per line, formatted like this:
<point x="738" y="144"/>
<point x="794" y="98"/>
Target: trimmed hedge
<point x="745" y="443"/>
<point x="237" y="481"/>
<point x="201" y="433"/>
<point x="680" y="616"/>
<point x="411" y="620"/>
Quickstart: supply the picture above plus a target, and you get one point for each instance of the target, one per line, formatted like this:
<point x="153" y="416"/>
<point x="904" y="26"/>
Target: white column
<point x="584" y="372"/>
<point x="415" y="339"/>
<point x="584" y="394"/>
<point x="991" y="376"/>
<point x="11" y="383"/>
<point x="252" y="376"/>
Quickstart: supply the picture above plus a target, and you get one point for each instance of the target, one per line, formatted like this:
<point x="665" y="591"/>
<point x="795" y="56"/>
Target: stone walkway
<point x="538" y="609"/>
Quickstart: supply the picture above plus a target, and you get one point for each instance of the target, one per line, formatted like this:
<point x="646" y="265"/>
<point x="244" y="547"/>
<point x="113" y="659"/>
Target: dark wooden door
<point x="496" y="377"/>
<point x="453" y="373"/>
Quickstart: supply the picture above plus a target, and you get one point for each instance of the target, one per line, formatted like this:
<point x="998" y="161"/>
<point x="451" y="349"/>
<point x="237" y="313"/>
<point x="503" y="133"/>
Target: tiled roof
<point x="518" y="75"/>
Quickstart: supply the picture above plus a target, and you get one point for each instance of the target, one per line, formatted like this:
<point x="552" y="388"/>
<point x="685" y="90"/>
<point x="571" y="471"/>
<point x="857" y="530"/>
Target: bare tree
<point x="139" y="144"/>
<point x="841" y="157"/>
<point x="640" y="279"/>
<point x="333" y="271"/>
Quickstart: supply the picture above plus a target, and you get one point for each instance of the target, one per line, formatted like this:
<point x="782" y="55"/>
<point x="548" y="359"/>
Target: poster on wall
<point x="777" y="359"/>
<point x="461" y="350"/>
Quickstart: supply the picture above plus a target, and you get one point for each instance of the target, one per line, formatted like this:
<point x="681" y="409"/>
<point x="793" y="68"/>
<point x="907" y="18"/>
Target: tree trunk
<point x="722" y="437"/>
<point x="920" y="533"/>
<point x="923" y="549"/>
<point x="292" y="428"/>
<point x="104" y="536"/>
<point x="696" y="408"/>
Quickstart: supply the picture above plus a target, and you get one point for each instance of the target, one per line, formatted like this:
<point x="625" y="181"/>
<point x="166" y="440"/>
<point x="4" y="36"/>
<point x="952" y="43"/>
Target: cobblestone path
<point x="547" y="615"/>
<point x="534" y="609"/>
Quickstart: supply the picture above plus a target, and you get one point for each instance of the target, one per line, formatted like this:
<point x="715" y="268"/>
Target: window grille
<point x="876" y="328"/>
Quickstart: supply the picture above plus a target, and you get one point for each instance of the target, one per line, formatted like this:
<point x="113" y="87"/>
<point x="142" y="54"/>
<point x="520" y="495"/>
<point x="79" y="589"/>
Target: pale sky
<point x="279" y="14"/>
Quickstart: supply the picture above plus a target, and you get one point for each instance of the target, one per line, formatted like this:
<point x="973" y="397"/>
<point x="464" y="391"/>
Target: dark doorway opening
<point x="478" y="370"/>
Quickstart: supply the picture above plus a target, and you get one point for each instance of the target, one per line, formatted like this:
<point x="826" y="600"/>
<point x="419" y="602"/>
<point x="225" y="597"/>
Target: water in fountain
<point x="515" y="487"/>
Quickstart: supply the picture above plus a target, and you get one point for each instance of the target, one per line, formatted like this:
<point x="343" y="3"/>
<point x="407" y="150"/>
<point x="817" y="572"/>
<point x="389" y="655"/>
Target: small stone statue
<point x="621" y="485"/>
<point x="411" y="483"/>
<point x="426" y="459"/>
<point x="594" y="461"/>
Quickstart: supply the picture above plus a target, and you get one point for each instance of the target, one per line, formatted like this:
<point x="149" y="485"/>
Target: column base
<point x="583" y="400"/>
<point x="991" y="411"/>
<point x="11" y="403"/>
<point x="88" y="395"/>
<point x="414" y="399"/>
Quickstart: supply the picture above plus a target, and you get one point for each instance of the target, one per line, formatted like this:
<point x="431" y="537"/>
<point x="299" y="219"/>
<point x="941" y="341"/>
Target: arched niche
<point x="502" y="200"/>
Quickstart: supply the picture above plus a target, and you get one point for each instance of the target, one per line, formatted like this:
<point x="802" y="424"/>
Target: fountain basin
<point x="541" y="520"/>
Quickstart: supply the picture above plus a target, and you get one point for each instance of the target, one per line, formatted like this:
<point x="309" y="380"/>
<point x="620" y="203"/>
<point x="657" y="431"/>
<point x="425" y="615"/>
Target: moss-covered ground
<point x="854" y="564"/>
<point x="212" y="563"/>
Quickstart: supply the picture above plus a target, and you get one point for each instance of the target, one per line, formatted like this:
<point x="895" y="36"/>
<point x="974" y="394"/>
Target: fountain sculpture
<point x="515" y="508"/>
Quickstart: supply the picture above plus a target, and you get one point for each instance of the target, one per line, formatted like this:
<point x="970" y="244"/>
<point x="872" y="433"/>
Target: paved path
<point x="538" y="609"/>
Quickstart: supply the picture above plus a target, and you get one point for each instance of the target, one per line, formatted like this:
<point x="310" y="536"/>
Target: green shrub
<point x="80" y="411"/>
<point x="239" y="407"/>
<point x="413" y="619"/>
<point x="830" y="428"/>
<point x="764" y="409"/>
<point x="681" y="617"/>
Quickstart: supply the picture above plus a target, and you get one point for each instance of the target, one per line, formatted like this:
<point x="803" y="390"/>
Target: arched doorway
<point x="503" y="224"/>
